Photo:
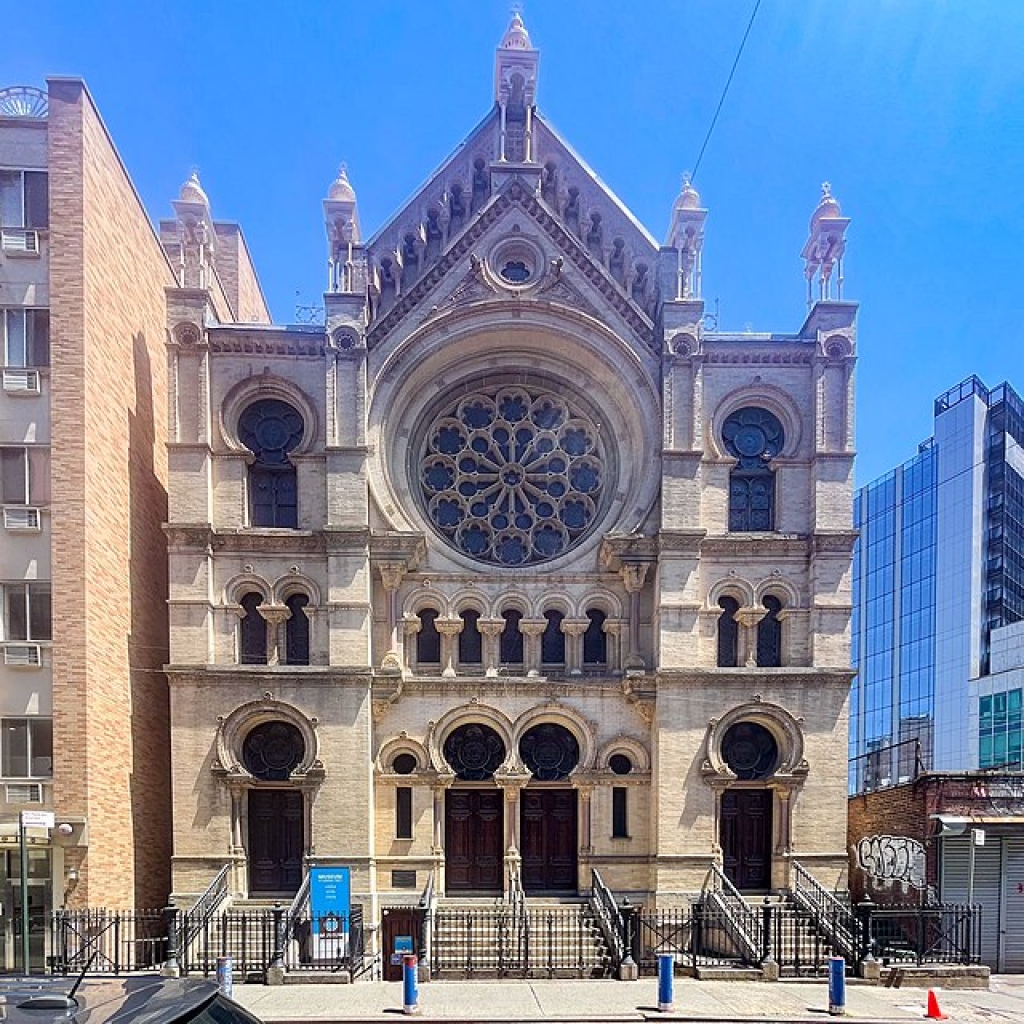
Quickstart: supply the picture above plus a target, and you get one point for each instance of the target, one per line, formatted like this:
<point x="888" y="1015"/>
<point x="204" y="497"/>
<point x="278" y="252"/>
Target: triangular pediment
<point x="577" y="277"/>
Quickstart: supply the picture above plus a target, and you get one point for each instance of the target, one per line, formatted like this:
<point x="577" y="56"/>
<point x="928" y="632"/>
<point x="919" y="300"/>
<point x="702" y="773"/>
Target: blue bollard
<point x="836" y="986"/>
<point x="410" y="990"/>
<point x="225" y="976"/>
<point x="666" y="965"/>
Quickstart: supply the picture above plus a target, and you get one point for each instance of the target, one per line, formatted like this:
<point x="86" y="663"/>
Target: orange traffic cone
<point x="934" y="1013"/>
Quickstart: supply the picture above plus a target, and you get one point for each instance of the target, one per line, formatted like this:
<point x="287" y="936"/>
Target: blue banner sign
<point x="330" y="902"/>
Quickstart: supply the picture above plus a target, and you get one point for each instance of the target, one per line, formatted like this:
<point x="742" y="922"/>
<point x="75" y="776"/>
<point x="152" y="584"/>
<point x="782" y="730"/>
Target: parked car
<point x="142" y="1000"/>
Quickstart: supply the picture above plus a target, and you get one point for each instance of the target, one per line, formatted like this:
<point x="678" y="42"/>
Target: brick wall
<point x="109" y="484"/>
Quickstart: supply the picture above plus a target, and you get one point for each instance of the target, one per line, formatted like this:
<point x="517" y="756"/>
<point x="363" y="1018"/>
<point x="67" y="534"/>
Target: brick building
<point x="513" y="568"/>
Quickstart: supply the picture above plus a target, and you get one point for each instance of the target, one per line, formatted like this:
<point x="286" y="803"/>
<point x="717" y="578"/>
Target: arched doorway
<point x="548" y="830"/>
<point x="745" y="816"/>
<point x="276" y="834"/>
<point x="473" y="832"/>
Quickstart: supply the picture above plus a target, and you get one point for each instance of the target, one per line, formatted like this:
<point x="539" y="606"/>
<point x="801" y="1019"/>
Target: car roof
<point x="145" y="999"/>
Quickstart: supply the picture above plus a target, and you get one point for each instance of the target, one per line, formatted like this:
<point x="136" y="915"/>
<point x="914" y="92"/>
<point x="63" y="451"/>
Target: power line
<point x="718" y="110"/>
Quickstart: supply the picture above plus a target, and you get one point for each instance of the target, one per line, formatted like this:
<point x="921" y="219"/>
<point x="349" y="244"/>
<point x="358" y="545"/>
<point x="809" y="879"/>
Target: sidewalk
<point x="604" y="1001"/>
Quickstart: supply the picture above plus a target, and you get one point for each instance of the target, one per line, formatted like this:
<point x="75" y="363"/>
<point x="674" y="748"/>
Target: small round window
<point x="750" y="751"/>
<point x="273" y="750"/>
<point x="620" y="764"/>
<point x="515" y="272"/>
<point x="404" y="764"/>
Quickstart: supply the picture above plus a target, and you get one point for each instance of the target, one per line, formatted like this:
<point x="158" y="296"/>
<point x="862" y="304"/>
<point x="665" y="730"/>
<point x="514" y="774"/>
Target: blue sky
<point x="912" y="109"/>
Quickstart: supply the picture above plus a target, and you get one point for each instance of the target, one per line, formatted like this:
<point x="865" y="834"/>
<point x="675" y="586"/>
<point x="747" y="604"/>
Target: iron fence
<point x="510" y="941"/>
<point x="108" y="941"/>
<point x="925" y="934"/>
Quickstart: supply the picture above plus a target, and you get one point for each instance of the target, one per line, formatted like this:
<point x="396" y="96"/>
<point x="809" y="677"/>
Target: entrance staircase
<point x="526" y="938"/>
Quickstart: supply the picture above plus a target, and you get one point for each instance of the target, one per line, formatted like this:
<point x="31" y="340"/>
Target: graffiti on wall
<point x="892" y="860"/>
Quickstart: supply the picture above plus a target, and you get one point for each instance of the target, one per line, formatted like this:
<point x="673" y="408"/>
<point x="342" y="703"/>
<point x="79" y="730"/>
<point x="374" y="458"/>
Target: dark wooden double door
<point x="276" y="832"/>
<point x="475" y="840"/>
<point x="746" y="837"/>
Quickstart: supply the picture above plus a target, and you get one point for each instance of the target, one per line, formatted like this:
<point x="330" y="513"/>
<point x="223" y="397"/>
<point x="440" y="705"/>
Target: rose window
<point x="513" y="476"/>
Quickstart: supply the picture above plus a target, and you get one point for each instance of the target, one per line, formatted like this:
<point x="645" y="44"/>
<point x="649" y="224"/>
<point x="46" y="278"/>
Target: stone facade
<point x="512" y="547"/>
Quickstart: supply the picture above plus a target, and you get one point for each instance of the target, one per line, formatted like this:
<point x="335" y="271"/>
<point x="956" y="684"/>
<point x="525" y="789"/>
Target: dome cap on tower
<point x="341" y="189"/>
<point x="689" y="197"/>
<point x="516" y="37"/>
<point x="827" y="208"/>
<point x="192" y="191"/>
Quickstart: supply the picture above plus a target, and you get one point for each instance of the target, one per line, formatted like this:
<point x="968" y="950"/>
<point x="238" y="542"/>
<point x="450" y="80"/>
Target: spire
<point x="824" y="249"/>
<point x="686" y="236"/>
<point x="515" y="91"/>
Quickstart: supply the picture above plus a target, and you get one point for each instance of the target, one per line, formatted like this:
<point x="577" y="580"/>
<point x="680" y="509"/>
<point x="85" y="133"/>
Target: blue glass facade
<point x="938" y="576"/>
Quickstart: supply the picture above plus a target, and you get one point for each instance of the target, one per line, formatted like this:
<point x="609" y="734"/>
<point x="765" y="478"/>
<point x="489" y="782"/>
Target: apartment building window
<point x="26" y="748"/>
<point x="26" y="611"/>
<point x="26" y="337"/>
<point x="24" y="199"/>
<point x="24" y="476"/>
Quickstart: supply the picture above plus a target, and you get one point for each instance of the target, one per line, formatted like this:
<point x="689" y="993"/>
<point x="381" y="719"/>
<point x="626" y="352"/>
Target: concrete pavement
<point x="617" y="1001"/>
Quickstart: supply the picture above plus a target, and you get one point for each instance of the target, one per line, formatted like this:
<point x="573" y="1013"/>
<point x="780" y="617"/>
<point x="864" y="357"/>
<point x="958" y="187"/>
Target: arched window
<point x="769" y="634"/>
<point x="270" y="429"/>
<point x="273" y="750"/>
<point x="428" y="640"/>
<point x="549" y="751"/>
<point x="297" y="631"/>
<point x="252" y="632"/>
<point x="595" y="642"/>
<point x="753" y="437"/>
<point x="471" y="645"/>
<point x="728" y="633"/>
<point x="511" y="645"/>
<point x="552" y="641"/>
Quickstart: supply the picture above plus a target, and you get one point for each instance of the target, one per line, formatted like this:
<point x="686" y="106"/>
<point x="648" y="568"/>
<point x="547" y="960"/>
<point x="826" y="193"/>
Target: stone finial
<point x="192" y="191"/>
<point x="341" y="189"/>
<point x="823" y="252"/>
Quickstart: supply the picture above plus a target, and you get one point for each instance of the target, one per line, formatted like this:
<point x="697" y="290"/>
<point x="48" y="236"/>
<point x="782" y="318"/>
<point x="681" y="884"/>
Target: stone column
<point x="532" y="630"/>
<point x="411" y="625"/>
<point x="275" y="615"/>
<point x="748" y="618"/>
<point x="439" y="787"/>
<point x="318" y="645"/>
<point x="449" y="630"/>
<point x="511" y="783"/>
<point x="613" y="630"/>
<point x="391" y="575"/>
<point x="491" y="630"/>
<point x="573" y="629"/>
<point x="633" y="577"/>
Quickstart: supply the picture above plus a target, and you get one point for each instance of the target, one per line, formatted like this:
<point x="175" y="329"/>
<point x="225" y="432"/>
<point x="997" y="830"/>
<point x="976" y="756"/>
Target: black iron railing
<point x="610" y="919"/>
<point x="108" y="941"/>
<point x="724" y="905"/>
<point x="831" y="916"/>
<point x="198" y="916"/>
<point x="926" y="934"/>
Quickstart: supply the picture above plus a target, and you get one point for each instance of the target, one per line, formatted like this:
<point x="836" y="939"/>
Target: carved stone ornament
<point x="768" y="744"/>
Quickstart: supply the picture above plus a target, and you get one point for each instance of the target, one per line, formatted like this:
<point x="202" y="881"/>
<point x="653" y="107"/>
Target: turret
<point x="823" y="252"/>
<point x="341" y="219"/>
<point x="515" y="91"/>
<point x="196" y="236"/>
<point x="686" y="237"/>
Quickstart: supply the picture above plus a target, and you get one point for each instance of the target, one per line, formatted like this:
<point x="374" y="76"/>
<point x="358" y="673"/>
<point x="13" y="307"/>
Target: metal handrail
<point x="607" y="912"/>
<point x="744" y="921"/>
<point x="830" y="914"/>
<point x="295" y="912"/>
<point x="199" y="914"/>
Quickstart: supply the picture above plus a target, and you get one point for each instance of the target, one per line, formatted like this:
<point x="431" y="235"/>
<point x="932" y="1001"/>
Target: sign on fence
<point x="330" y="905"/>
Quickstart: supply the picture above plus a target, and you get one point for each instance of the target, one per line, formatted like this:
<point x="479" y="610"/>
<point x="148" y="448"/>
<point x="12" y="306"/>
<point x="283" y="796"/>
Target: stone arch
<point x="247" y="582"/>
<point x="513" y="602"/>
<point x="761" y="395"/>
<point x="731" y="586"/>
<point x="570" y="718"/>
<point x="421" y="599"/>
<point x="252" y="389"/>
<point x="555" y="601"/>
<point x="777" y="587"/>
<point x="785" y="728"/>
<point x="469" y="599"/>
<point x="468" y="714"/>
<point x="234" y="727"/>
<point x="632" y="748"/>
<point x="400" y="744"/>
<point x="296" y="583"/>
<point x="601" y="599"/>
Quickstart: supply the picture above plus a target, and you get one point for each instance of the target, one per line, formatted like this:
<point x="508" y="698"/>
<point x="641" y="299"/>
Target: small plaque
<point x="403" y="879"/>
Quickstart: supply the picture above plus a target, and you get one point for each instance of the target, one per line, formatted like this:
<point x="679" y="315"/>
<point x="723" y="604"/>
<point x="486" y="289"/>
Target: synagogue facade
<point x="516" y="567"/>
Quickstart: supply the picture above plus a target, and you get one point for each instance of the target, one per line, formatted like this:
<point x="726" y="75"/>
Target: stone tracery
<point x="514" y="475"/>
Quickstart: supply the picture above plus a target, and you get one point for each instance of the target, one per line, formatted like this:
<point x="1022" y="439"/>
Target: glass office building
<point x="938" y="593"/>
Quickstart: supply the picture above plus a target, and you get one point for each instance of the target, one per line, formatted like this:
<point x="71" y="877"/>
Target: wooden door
<point x="548" y="840"/>
<point x="403" y="928"/>
<point x="473" y="840"/>
<point x="746" y="838"/>
<point x="275" y="840"/>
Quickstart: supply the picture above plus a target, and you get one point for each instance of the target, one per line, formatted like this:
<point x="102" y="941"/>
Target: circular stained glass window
<point x="273" y="750"/>
<point x="514" y="475"/>
<point x="750" y="750"/>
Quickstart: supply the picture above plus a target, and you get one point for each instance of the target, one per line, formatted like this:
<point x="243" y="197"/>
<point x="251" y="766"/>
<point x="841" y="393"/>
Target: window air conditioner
<point x="19" y="240"/>
<point x="24" y="792"/>
<point x="26" y="381"/>
<point x="23" y="655"/>
<point x="21" y="517"/>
